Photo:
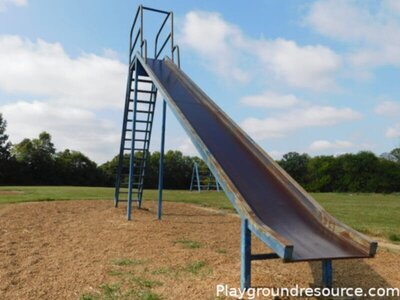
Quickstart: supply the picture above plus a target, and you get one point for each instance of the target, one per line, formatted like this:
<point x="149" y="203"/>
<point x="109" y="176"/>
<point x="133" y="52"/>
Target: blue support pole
<point x="327" y="273"/>
<point x="198" y="178"/>
<point x="161" y="172"/>
<point x="132" y="156"/>
<point x="245" y="252"/>
<point x="191" y="181"/>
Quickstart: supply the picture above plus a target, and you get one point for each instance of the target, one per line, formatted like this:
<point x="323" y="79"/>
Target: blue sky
<point x="319" y="76"/>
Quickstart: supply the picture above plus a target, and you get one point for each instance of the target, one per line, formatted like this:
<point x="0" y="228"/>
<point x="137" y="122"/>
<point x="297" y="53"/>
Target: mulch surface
<point x="63" y="250"/>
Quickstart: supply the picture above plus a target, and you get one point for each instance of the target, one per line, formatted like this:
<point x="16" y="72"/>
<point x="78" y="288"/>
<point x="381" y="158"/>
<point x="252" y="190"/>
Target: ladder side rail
<point x="123" y="138"/>
<point x="132" y="156"/>
<point x="147" y="137"/>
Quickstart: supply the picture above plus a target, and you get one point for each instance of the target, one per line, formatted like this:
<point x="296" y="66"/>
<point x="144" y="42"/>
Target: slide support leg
<point x="327" y="273"/>
<point x="161" y="172"/>
<point x="245" y="250"/>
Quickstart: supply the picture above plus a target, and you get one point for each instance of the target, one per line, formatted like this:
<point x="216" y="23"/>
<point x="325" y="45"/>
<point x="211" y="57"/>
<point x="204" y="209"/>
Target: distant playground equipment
<point x="203" y="179"/>
<point x="272" y="206"/>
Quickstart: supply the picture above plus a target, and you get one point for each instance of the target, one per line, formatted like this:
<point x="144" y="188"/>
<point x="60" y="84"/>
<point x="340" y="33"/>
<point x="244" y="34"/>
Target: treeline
<point x="177" y="169"/>
<point x="361" y="172"/>
<point x="37" y="162"/>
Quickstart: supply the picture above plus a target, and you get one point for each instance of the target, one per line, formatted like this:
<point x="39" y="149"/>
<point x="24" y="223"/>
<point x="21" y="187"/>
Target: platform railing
<point x="138" y="42"/>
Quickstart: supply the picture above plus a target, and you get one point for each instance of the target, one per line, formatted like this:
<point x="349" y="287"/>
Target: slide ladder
<point x="138" y="118"/>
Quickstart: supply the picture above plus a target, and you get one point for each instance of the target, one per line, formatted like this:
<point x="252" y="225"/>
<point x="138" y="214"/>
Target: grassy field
<point x="374" y="214"/>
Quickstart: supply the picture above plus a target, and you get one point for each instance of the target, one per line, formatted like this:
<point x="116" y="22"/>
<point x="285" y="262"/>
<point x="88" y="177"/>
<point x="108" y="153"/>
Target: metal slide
<point x="278" y="210"/>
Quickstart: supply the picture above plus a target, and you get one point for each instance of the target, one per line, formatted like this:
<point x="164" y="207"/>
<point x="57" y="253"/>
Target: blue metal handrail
<point x="176" y="47"/>
<point x="134" y="37"/>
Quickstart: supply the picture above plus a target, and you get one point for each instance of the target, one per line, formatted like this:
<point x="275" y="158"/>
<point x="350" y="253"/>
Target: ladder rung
<point x="144" y="111"/>
<point x="142" y="130"/>
<point x="144" y="91"/>
<point x="142" y="121"/>
<point x="143" y="101"/>
<point x="142" y="140"/>
<point x="143" y="80"/>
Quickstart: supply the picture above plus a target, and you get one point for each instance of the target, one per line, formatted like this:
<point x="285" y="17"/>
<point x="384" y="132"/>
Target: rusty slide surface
<point x="280" y="212"/>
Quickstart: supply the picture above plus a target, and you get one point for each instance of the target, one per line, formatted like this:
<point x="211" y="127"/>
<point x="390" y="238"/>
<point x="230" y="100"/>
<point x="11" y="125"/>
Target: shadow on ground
<point x="350" y="273"/>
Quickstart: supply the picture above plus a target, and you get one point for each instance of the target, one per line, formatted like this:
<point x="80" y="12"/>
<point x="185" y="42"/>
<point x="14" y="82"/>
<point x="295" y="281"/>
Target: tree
<point x="396" y="154"/>
<point x="388" y="177"/>
<point x="296" y="165"/>
<point x="74" y="168"/>
<point x="4" y="144"/>
<point x="177" y="170"/>
<point x="8" y="168"/>
<point x="323" y="174"/>
<point x="37" y="157"/>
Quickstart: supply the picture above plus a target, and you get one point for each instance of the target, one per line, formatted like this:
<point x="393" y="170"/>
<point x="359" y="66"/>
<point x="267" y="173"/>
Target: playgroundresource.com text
<point x="296" y="291"/>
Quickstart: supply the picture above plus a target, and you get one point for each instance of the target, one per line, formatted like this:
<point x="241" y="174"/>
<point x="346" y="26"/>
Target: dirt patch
<point x="63" y="250"/>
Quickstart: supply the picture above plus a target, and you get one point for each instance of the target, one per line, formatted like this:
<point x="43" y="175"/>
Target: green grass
<point x="195" y="267"/>
<point x="188" y="244"/>
<point x="12" y="194"/>
<point x="220" y="251"/>
<point x="374" y="214"/>
<point x="130" y="280"/>
<point x="394" y="237"/>
<point x="162" y="271"/>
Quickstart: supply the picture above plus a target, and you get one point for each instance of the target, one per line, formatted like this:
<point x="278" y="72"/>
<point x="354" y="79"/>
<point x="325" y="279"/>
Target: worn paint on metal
<point x="280" y="213"/>
<point x="161" y="172"/>
<point x="245" y="252"/>
<point x="232" y="193"/>
<point x="327" y="273"/>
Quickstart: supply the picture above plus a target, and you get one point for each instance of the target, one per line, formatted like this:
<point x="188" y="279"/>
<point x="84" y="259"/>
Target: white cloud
<point x="70" y="95"/>
<point x="5" y="3"/>
<point x="393" y="132"/>
<point x="393" y="5"/>
<point x="216" y="41"/>
<point x="225" y="49"/>
<point x="186" y="146"/>
<point x="328" y="145"/>
<point x="71" y="127"/>
<point x="372" y="31"/>
<point x="270" y="99"/>
<point x="310" y="67"/>
<point x="283" y="124"/>
<point x="275" y="154"/>
<point x="388" y="108"/>
<point x="42" y="69"/>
